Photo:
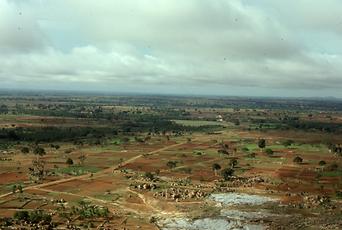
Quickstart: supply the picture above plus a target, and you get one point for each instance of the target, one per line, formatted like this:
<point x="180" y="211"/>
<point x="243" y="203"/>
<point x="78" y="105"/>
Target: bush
<point x="288" y="143"/>
<point x="39" y="151"/>
<point x="39" y="216"/>
<point x="233" y="163"/>
<point x="298" y="160"/>
<point x="21" y="215"/>
<point x="216" y="167"/>
<point x="69" y="161"/>
<point x="149" y="175"/>
<point x="269" y="152"/>
<point x="322" y="163"/>
<point x="34" y="217"/>
<point x="339" y="194"/>
<point x="245" y="149"/>
<point x="332" y="167"/>
<point x="262" y="143"/>
<point x="86" y="210"/>
<point x="171" y="164"/>
<point x="25" y="150"/>
<point x="227" y="173"/>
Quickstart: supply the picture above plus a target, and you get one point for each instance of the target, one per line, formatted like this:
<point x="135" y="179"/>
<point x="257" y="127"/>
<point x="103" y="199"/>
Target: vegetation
<point x="227" y="173"/>
<point x="262" y="143"/>
<point x="25" y="150"/>
<point x="171" y="164"/>
<point x="169" y="148"/>
<point x="298" y="160"/>
<point x="269" y="151"/>
<point x="86" y="210"/>
<point x="69" y="161"/>
<point x="33" y="217"/>
<point x="216" y="167"/>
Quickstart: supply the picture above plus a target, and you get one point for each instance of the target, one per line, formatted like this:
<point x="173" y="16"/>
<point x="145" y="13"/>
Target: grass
<point x="197" y="123"/>
<point x="76" y="170"/>
<point x="300" y="147"/>
<point x="309" y="147"/>
<point x="105" y="148"/>
<point x="254" y="147"/>
<point x="8" y="187"/>
<point x="332" y="173"/>
<point x="109" y="196"/>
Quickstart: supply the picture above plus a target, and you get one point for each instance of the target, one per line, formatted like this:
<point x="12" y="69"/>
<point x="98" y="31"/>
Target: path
<point x="108" y="170"/>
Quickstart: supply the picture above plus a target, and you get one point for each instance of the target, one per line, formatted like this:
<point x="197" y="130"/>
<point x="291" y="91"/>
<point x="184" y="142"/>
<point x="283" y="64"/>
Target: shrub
<point x="149" y="175"/>
<point x="322" y="163"/>
<point x="339" y="194"/>
<point x="332" y="167"/>
<point x="35" y="217"/>
<point x="262" y="143"/>
<point x="288" y="143"/>
<point x="69" y="161"/>
<point x="21" y="215"/>
<point x="233" y="163"/>
<point x="25" y="150"/>
<point x="39" y="151"/>
<point x="245" y="149"/>
<point x="269" y="152"/>
<point x="171" y="164"/>
<point x="227" y="173"/>
<point x="298" y="160"/>
<point x="216" y="167"/>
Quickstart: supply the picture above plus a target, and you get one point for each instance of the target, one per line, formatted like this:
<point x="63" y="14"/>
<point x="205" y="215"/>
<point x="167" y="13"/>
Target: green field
<point x="198" y="123"/>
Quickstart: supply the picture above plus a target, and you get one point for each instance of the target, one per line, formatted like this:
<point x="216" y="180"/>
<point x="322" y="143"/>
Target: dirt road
<point x="108" y="170"/>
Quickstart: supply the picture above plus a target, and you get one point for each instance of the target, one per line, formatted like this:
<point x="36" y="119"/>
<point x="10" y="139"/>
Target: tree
<point x="3" y="109"/>
<point x="171" y="164"/>
<point x="216" y="167"/>
<point x="233" y="163"/>
<point x="39" y="151"/>
<point x="20" y="188"/>
<point x="298" y="160"/>
<point x="69" y="161"/>
<point x="227" y="173"/>
<point x="25" y="150"/>
<point x="37" y="171"/>
<point x="322" y="163"/>
<point x="288" y="143"/>
<point x="262" y="143"/>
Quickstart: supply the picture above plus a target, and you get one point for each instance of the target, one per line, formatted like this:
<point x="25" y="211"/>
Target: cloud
<point x="168" y="43"/>
<point x="19" y="32"/>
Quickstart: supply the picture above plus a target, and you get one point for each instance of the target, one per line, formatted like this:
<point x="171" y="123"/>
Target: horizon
<point x="62" y="92"/>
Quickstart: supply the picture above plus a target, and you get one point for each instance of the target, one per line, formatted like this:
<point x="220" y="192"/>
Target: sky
<point x="276" y="48"/>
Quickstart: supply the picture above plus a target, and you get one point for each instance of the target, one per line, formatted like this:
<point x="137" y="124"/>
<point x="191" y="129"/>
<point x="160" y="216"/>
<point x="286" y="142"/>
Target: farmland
<point x="162" y="162"/>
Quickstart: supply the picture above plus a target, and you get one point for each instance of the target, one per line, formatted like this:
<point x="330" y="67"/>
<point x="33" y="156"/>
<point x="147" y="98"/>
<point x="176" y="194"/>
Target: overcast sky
<point x="228" y="47"/>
